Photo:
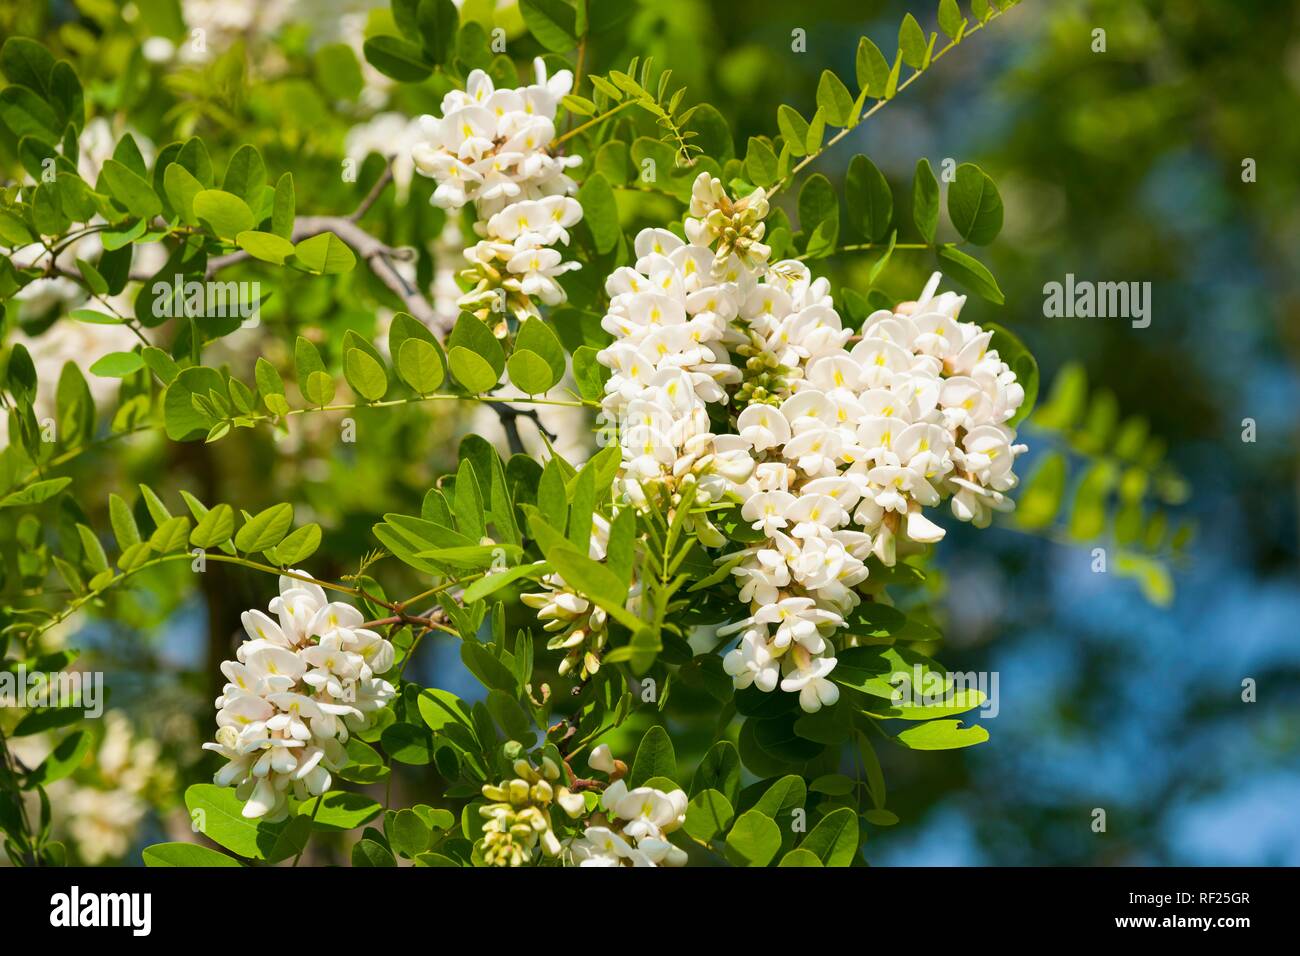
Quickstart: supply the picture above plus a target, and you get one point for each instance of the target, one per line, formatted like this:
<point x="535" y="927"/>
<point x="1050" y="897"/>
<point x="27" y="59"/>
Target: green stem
<point x="594" y="121"/>
<point x="869" y="246"/>
<point x="89" y="596"/>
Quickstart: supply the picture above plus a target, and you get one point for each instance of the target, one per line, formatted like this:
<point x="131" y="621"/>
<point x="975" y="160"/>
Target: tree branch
<point x="377" y="255"/>
<point x="509" y="422"/>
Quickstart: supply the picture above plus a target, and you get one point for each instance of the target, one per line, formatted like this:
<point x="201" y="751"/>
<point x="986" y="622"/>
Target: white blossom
<point x="298" y="687"/>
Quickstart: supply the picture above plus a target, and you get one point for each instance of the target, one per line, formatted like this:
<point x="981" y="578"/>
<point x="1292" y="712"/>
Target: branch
<point x="509" y="417"/>
<point x="378" y="255"/>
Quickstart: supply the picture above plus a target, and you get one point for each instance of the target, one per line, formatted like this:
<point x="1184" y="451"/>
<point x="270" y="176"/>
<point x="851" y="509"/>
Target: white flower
<point x="752" y="663"/>
<point x="639" y="822"/>
<point x="833" y="453"/>
<point x="295" y="690"/>
<point x="808" y="678"/>
<point x="491" y="148"/>
<point x="601" y="759"/>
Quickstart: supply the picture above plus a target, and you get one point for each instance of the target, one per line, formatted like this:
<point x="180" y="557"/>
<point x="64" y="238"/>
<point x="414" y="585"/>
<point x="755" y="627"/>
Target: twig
<point x="509" y="423"/>
<point x="380" y="185"/>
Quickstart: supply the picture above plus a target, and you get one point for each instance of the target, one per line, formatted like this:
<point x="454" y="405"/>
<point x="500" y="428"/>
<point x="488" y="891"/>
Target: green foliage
<point x="465" y="538"/>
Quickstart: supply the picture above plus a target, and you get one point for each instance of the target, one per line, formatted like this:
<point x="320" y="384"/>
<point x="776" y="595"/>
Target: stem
<point x="868" y="246"/>
<point x="593" y="122"/>
<point x="28" y="850"/>
<point x="89" y="596"/>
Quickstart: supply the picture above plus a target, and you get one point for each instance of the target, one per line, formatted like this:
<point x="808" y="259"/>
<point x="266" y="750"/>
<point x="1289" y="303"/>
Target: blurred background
<point x="1163" y="150"/>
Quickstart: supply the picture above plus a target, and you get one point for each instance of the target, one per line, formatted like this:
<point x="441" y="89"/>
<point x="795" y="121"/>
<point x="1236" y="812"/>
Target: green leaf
<point x="475" y="356"/>
<point x="654" y="757"/>
<point x="760" y="163"/>
<point x="171" y="535"/>
<point x="800" y="857"/>
<point x="719" y="770"/>
<point x="408" y="744"/>
<point x="753" y="841"/>
<point x="14" y="231"/>
<point x="708" y="814"/>
<point x="194" y="157"/>
<point x="942" y="735"/>
<point x="397" y="59"/>
<point x="833" y="784"/>
<point x="125" y="529"/>
<point x="214" y="528"/>
<point x="440" y="708"/>
<point x="35" y="493"/>
<point x="420" y="366"/>
<point x="218" y="814"/>
<point x="872" y="69"/>
<point x="553" y="23"/>
<point x="819" y="216"/>
<point x="408" y="834"/>
<point x="869" y="199"/>
<point x="529" y="372"/>
<point x="834" y="840"/>
<point x="370" y="852"/>
<point x="589" y="374"/>
<point x="325" y="254"/>
<point x="265" y="529"/>
<point x="161" y="364"/>
<point x="27" y="63"/>
<point x="951" y="21"/>
<point x="471" y="370"/>
<point x="925" y="200"/>
<point x="974" y="205"/>
<point x="794" y="129"/>
<point x="185" y="854"/>
<point x="117" y="364"/>
<point x="183" y="421"/>
<point x="340" y="810"/>
<point x="911" y="42"/>
<point x="1021" y="361"/>
<point x="600" y="212"/>
<point x="27" y="114"/>
<point x="266" y="246"/>
<point x="131" y="190"/>
<point x="282" y="208"/>
<point x="366" y="376"/>
<point x="297" y="546"/>
<point x="787" y="794"/>
<point x="225" y="214"/>
<point x="246" y="176"/>
<point x="496" y="581"/>
<point x="66" y="757"/>
<point x="536" y="337"/>
<point x="970" y="272"/>
<point x="1041" y="493"/>
<point x="834" y="100"/>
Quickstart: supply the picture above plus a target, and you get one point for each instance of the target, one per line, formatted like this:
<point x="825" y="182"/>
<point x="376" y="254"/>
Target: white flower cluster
<point x="835" y="448"/>
<point x="296" y="689"/>
<point x="578" y="625"/>
<point x="633" y="825"/>
<point x="670" y="319"/>
<point x="491" y="148"/>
